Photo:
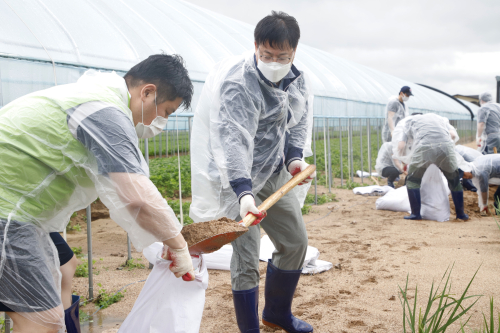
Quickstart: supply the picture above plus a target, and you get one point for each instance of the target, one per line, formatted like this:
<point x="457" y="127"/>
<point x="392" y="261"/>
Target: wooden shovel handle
<point x="297" y="179"/>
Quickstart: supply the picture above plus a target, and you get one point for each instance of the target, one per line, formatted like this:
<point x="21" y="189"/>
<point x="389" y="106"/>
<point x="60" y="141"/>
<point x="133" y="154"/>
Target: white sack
<point x="220" y="259"/>
<point x="168" y="304"/>
<point x="318" y="267"/>
<point x="396" y="201"/>
<point x="267" y="248"/>
<point x="372" y="190"/>
<point x="366" y="174"/>
<point x="434" y="193"/>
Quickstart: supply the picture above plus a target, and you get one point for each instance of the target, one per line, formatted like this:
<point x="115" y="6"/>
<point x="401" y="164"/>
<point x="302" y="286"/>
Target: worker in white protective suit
<point x="468" y="155"/>
<point x="387" y="166"/>
<point x="60" y="149"/>
<point x="396" y="110"/>
<point x="488" y="124"/>
<point x="433" y="140"/>
<point x="251" y="132"/>
<point x="483" y="169"/>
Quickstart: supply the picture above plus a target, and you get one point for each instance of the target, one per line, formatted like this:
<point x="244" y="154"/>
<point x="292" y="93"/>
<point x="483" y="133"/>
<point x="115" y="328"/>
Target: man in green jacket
<point x="60" y="149"/>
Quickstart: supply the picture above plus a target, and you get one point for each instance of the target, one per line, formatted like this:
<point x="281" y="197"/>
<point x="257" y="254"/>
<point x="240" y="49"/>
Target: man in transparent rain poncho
<point x="432" y="141"/>
<point x="387" y="166"/>
<point x="483" y="169"/>
<point x="488" y="124"/>
<point x="251" y="130"/>
<point x="396" y="110"/>
<point x="62" y="147"/>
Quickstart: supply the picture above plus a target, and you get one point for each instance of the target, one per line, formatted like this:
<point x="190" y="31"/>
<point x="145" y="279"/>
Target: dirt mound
<point x="471" y="203"/>
<point x="196" y="232"/>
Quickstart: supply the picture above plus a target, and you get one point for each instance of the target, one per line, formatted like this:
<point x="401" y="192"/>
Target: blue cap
<point x="406" y="90"/>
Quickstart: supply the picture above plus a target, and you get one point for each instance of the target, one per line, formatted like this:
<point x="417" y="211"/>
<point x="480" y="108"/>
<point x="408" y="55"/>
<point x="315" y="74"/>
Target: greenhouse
<point x="48" y="42"/>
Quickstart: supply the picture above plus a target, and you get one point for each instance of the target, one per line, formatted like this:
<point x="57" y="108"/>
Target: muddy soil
<point x="196" y="232"/>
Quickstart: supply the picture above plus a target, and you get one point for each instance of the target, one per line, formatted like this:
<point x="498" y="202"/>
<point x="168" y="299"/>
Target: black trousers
<point x="391" y="173"/>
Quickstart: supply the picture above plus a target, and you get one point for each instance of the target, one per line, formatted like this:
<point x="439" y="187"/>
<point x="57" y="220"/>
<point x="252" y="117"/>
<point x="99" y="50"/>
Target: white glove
<point x="297" y="166"/>
<point x="181" y="265"/>
<point x="247" y="205"/>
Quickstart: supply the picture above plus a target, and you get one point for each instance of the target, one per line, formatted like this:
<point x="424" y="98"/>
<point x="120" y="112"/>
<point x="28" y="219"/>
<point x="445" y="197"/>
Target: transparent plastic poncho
<point x="384" y="158"/>
<point x="489" y="114"/>
<point x="469" y="154"/>
<point x="239" y="133"/>
<point x="484" y="168"/>
<point x="400" y="112"/>
<point x="47" y="173"/>
<point x="426" y="139"/>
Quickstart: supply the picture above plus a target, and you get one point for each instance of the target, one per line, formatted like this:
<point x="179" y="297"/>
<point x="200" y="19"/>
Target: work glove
<point x="181" y="265"/>
<point x="297" y="166"/>
<point x="484" y="211"/>
<point x="478" y="141"/>
<point x="247" y="206"/>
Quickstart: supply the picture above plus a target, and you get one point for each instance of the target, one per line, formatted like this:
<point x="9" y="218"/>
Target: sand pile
<point x="196" y="232"/>
<point x="470" y="203"/>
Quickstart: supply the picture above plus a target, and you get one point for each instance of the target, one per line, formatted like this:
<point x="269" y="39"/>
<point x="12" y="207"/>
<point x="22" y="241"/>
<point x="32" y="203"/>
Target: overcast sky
<point x="452" y="45"/>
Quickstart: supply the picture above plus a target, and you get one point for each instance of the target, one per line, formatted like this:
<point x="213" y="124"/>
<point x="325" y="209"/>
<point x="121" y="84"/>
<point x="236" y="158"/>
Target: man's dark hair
<point x="168" y="73"/>
<point x="279" y="29"/>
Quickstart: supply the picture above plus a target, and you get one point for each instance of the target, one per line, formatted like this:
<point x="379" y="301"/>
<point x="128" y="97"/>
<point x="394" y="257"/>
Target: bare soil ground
<point x="376" y="250"/>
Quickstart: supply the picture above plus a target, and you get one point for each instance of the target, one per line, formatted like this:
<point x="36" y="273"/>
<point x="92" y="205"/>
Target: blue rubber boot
<point x="246" y="303"/>
<point x="280" y="287"/>
<point x="458" y="200"/>
<point x="72" y="316"/>
<point x="415" y="204"/>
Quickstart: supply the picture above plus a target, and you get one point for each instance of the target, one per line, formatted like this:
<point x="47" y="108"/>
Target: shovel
<point x="215" y="242"/>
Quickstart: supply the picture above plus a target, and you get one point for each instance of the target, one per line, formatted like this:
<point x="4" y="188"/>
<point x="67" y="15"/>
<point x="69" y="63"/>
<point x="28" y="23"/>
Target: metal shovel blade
<point x="214" y="243"/>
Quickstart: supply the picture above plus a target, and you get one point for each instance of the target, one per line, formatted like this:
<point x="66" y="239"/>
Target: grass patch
<point x="164" y="174"/>
<point x="133" y="264"/>
<point x="75" y="227"/>
<point x="82" y="270"/>
<point x="78" y="251"/>
<point x="175" y="204"/>
<point x="322" y="199"/>
<point x="105" y="299"/>
<point x="442" y="308"/>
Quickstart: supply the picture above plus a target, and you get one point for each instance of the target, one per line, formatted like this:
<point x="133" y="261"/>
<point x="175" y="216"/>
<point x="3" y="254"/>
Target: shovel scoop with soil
<point x="208" y="237"/>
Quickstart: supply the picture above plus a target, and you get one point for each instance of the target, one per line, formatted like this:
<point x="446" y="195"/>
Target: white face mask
<point x="274" y="71"/>
<point x="153" y="129"/>
<point x="405" y="98"/>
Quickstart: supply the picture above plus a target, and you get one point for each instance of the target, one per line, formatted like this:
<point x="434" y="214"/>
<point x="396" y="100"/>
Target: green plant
<point x="104" y="299"/>
<point x="76" y="227"/>
<point x="164" y="174"/>
<point x="306" y="209"/>
<point x="82" y="270"/>
<point x="488" y="327"/>
<point x="75" y="214"/>
<point x="83" y="316"/>
<point x="447" y="309"/>
<point x="78" y="251"/>
<point x="335" y="154"/>
<point x="185" y="210"/>
<point x="133" y="263"/>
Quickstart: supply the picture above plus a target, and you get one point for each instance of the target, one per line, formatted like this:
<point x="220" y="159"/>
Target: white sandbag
<point x="318" y="267"/>
<point x="220" y="259"/>
<point x="151" y="251"/>
<point x="372" y="190"/>
<point x="494" y="181"/>
<point x="396" y="201"/>
<point x="366" y="174"/>
<point x="267" y="248"/>
<point x="168" y="304"/>
<point x="434" y="193"/>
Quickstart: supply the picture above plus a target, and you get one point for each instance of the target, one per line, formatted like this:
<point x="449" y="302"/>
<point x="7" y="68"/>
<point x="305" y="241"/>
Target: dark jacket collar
<point x="287" y="80"/>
